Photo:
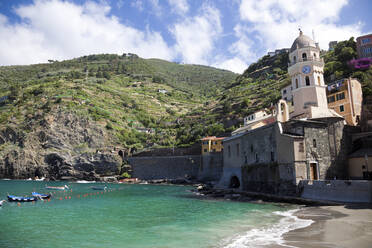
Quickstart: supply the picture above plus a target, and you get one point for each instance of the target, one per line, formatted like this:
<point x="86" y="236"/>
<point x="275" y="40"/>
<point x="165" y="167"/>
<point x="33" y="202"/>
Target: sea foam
<point x="263" y="237"/>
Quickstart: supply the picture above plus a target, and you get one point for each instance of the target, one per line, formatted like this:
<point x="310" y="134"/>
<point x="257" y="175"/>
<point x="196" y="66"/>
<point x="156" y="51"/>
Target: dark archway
<point x="234" y="182"/>
<point x="304" y="57"/>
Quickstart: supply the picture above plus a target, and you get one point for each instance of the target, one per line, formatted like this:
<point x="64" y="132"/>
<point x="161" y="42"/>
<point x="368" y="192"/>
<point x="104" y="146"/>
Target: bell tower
<point x="306" y="71"/>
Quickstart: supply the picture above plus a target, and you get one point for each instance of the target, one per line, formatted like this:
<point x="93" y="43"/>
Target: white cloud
<point x="179" y="6"/>
<point x="277" y="21"/>
<point x="196" y="36"/>
<point x="235" y="64"/>
<point x="60" y="30"/>
<point x="242" y="51"/>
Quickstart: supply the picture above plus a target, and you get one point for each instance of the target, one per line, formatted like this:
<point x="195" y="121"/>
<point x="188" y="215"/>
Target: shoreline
<point x="349" y="225"/>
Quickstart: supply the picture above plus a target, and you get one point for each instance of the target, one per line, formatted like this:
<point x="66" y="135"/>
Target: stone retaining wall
<point x="211" y="167"/>
<point x="337" y="190"/>
<point x="167" y="167"/>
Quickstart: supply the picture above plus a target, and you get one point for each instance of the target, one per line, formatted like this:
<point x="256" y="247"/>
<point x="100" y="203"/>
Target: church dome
<point x="302" y="41"/>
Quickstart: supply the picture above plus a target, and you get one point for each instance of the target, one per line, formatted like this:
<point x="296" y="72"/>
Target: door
<point x="313" y="171"/>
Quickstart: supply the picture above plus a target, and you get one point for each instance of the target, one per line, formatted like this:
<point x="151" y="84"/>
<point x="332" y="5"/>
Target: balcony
<point x="302" y="60"/>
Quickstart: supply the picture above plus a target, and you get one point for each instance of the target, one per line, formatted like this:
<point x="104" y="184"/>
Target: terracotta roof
<point x="212" y="138"/>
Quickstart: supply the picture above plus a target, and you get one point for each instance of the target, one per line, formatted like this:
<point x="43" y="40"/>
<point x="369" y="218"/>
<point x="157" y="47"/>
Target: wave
<point x="84" y="181"/>
<point x="263" y="237"/>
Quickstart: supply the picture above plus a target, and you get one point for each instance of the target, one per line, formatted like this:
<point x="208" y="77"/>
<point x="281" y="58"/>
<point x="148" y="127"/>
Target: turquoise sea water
<point x="136" y="216"/>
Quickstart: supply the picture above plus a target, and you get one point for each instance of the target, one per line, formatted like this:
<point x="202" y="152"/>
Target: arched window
<point x="314" y="55"/>
<point x="304" y="57"/>
<point x="307" y="80"/>
<point x="294" y="59"/>
<point x="296" y="83"/>
<point x="318" y="80"/>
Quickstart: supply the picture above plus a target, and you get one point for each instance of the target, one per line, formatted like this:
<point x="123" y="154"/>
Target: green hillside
<point x="259" y="87"/>
<point x="120" y="93"/>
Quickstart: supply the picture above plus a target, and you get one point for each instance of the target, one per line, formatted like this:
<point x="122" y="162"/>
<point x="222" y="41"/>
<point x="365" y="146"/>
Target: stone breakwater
<point x="208" y="191"/>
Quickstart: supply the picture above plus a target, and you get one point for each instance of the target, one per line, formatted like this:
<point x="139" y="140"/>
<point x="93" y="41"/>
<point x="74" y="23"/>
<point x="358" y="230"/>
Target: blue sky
<point x="227" y="34"/>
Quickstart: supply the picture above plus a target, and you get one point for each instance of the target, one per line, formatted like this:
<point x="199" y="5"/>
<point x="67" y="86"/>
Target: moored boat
<point x="13" y="198"/>
<point x="56" y="187"/>
<point x="98" y="188"/>
<point x="41" y="196"/>
<point x="1" y="202"/>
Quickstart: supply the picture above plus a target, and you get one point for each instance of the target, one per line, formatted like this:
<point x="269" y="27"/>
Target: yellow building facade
<point x="212" y="144"/>
<point x="345" y="98"/>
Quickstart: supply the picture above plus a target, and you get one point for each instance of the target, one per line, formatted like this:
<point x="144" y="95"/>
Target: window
<point x="237" y="149"/>
<point x="307" y="79"/>
<point x="331" y="99"/>
<point x="205" y="150"/>
<point x="251" y="148"/>
<point x="342" y="108"/>
<point x="256" y="158"/>
<point x="272" y="156"/>
<point x="314" y="143"/>
<point x="284" y="91"/>
<point x="366" y="40"/>
<point x="296" y="83"/>
<point x="340" y="96"/>
<point x="304" y="57"/>
<point x="285" y="98"/>
<point x="229" y="151"/>
<point x="301" y="147"/>
<point x="318" y="80"/>
<point x="314" y="55"/>
<point x="294" y="59"/>
<point x="246" y="159"/>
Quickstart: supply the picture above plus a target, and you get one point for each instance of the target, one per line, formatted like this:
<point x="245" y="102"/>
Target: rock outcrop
<point x="59" y="145"/>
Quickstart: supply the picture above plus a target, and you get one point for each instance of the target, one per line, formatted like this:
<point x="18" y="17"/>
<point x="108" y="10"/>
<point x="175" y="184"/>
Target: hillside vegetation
<point x="259" y="87"/>
<point x="121" y="92"/>
<point x="65" y="112"/>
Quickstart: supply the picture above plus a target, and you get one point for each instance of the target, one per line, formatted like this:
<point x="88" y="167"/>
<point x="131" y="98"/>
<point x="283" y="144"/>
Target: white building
<point x="307" y="82"/>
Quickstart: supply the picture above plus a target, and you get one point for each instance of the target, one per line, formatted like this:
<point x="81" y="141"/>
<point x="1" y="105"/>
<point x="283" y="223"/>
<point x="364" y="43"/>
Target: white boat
<point x="1" y="202"/>
<point x="84" y="181"/>
<point x="57" y="188"/>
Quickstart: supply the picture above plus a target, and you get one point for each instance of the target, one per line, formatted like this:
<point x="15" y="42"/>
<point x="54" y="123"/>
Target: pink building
<point x="364" y="46"/>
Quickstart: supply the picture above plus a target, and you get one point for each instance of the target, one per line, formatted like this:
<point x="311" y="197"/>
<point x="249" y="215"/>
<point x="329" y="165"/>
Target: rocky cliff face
<point x="57" y="145"/>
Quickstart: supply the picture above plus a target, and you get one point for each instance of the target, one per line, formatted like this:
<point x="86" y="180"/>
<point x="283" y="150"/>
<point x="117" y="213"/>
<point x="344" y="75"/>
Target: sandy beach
<point x="334" y="226"/>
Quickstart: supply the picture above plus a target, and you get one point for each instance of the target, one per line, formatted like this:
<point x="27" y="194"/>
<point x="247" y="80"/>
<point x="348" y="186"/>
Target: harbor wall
<point x="211" y="167"/>
<point x="166" y="167"/>
<point x="337" y="190"/>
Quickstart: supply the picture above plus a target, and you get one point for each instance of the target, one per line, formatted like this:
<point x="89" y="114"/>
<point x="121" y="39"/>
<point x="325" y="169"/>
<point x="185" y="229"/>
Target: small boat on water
<point x="98" y="188"/>
<point x="13" y="198"/>
<point x="41" y="196"/>
<point x="1" y="202"/>
<point x="56" y="187"/>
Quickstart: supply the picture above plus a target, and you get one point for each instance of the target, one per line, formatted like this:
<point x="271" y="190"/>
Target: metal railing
<point x="300" y="60"/>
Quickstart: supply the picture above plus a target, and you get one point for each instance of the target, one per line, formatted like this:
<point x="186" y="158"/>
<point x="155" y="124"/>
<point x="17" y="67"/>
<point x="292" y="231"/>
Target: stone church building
<point x="309" y="143"/>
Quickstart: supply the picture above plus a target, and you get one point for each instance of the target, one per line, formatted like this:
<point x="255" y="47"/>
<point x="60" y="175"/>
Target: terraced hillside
<point x="259" y="87"/>
<point x="95" y="103"/>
